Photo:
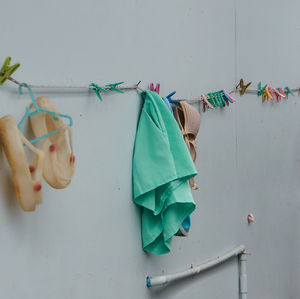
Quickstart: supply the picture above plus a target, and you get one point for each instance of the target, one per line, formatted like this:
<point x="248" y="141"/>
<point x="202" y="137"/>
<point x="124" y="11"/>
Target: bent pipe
<point x="165" y="279"/>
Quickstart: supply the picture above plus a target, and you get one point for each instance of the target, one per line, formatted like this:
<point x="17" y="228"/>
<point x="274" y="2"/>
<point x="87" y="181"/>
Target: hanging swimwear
<point x="162" y="166"/>
<point x="188" y="119"/>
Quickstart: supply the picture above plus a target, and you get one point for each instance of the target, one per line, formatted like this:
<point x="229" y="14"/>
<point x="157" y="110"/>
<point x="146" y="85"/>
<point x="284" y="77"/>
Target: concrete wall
<point x="84" y="241"/>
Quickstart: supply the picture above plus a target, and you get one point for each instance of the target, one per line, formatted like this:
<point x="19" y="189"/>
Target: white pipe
<point x="243" y="276"/>
<point x="164" y="279"/>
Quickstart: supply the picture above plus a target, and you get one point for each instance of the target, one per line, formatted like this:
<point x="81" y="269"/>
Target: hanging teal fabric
<point x="162" y="166"/>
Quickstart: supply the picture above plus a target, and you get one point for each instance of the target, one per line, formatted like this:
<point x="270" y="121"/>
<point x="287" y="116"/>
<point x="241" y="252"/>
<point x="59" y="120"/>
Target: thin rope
<point x="136" y="87"/>
<point x="72" y="86"/>
<point x="254" y="91"/>
<point x="199" y="99"/>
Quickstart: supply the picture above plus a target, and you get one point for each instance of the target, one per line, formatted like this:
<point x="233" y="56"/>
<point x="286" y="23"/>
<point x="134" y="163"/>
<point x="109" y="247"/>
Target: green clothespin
<point x="97" y="90"/>
<point x="211" y="99"/>
<point x="219" y="101"/>
<point x="221" y="96"/>
<point x="288" y="91"/>
<point x="114" y="86"/>
<point x="6" y="70"/>
<point x="260" y="90"/>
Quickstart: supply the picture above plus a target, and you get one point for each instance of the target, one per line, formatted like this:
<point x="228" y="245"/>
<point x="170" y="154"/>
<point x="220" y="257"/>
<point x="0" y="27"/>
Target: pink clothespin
<point x="271" y="91"/>
<point x="283" y="93"/>
<point x="204" y="99"/>
<point x="227" y="94"/>
<point x="156" y="89"/>
<point x="279" y="95"/>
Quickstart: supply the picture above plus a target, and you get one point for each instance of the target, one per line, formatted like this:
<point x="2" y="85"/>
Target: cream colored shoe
<point x="59" y="166"/>
<point x="26" y="177"/>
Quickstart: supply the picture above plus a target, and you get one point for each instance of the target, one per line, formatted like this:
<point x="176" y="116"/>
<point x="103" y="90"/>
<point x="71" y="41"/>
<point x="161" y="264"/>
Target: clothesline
<point x="254" y="91"/>
<point x="216" y="99"/>
<point x="67" y="86"/>
<point x="136" y="87"/>
<point x="133" y="87"/>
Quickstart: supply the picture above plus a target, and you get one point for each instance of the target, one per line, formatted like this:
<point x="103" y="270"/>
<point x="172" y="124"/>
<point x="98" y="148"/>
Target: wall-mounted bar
<point x="165" y="279"/>
<point x="243" y="276"/>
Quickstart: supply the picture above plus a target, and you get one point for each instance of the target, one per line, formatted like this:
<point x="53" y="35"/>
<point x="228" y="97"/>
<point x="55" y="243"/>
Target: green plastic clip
<point x="97" y="90"/>
<point x="6" y="70"/>
<point x="221" y="96"/>
<point x="288" y="91"/>
<point x="211" y="99"/>
<point x="114" y="86"/>
<point x="218" y="98"/>
<point x="260" y="90"/>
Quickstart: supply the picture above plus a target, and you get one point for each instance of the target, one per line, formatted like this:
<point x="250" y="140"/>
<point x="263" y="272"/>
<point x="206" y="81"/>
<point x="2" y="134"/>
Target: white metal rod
<point x="164" y="279"/>
<point x="243" y="276"/>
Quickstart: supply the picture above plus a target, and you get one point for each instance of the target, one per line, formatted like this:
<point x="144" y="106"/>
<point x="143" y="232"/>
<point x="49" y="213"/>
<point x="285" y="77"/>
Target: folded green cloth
<point x="161" y="168"/>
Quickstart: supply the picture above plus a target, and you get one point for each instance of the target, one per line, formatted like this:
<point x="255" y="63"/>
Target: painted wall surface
<point x="84" y="241"/>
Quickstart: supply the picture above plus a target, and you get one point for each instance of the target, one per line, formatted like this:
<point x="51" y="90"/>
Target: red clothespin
<point x="278" y="95"/>
<point x="156" y="89"/>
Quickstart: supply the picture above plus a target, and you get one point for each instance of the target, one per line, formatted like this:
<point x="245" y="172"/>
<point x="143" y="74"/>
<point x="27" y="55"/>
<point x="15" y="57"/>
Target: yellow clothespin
<point x="264" y="96"/>
<point x="243" y="87"/>
<point x="268" y="93"/>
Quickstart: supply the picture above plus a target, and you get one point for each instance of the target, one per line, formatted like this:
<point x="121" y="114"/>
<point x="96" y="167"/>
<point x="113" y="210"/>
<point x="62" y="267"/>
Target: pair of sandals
<point x="54" y="161"/>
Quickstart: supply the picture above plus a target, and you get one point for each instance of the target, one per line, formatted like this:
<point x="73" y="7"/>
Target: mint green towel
<point x="161" y="168"/>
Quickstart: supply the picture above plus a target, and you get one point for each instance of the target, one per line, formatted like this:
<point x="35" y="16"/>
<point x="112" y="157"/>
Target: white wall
<point x="84" y="241"/>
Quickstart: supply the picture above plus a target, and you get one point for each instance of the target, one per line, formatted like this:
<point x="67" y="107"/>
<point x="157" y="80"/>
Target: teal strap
<point x="29" y="113"/>
<point x="30" y="93"/>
